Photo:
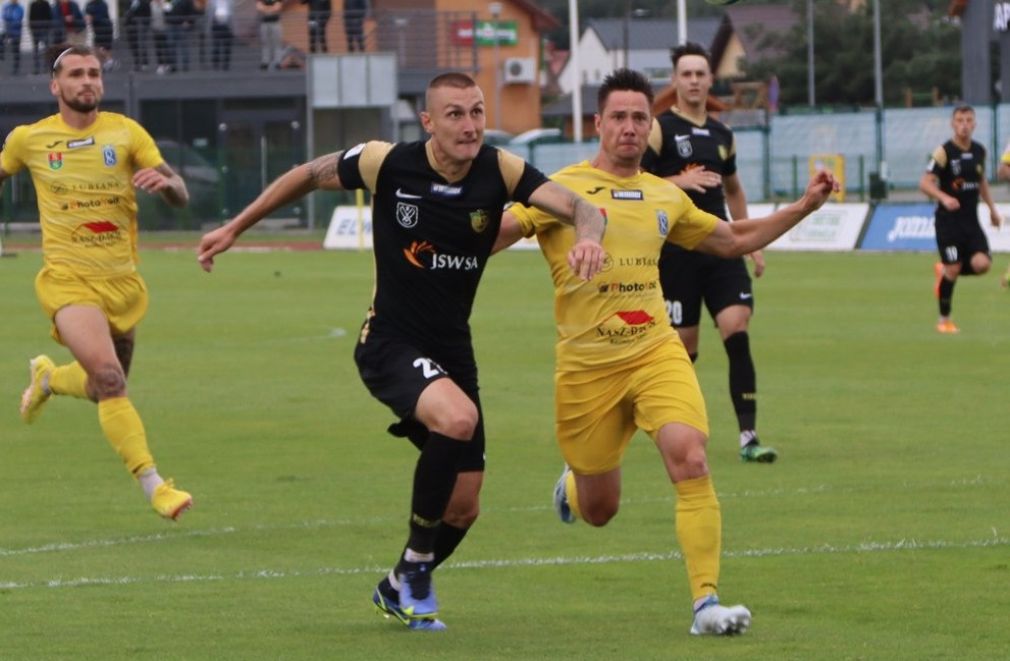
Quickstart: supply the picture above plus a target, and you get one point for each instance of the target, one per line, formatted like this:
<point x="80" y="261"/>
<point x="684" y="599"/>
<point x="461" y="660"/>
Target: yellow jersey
<point x="83" y="182"/>
<point x="620" y="313"/>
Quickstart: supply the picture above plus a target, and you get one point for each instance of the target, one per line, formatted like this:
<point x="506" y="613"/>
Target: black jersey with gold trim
<point x="959" y="173"/>
<point x="432" y="237"/>
<point x="677" y="144"/>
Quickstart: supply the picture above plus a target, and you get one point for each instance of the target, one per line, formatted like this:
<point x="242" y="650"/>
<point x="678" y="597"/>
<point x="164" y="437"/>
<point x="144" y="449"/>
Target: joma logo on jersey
<point x="422" y="255"/>
<point x="55" y="160"/>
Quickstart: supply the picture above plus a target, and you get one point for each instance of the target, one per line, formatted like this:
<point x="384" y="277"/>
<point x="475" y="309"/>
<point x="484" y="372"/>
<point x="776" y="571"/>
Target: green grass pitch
<point x="883" y="532"/>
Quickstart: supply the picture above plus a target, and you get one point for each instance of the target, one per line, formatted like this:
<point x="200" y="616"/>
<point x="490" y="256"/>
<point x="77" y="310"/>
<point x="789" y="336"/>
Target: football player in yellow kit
<point x="620" y="365"/>
<point x="86" y="165"/>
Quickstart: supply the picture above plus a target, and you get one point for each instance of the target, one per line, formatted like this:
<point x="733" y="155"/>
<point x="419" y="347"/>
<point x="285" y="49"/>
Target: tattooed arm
<point x="290" y="186"/>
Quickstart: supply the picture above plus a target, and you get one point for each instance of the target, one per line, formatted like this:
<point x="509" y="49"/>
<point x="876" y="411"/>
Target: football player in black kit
<point x="955" y="178"/>
<point x="698" y="154"/>
<point x="436" y="209"/>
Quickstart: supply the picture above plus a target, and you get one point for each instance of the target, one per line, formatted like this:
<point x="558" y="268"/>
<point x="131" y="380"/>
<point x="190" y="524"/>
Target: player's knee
<point x="459" y="423"/>
<point x="599" y="514"/>
<point x="462" y="515"/>
<point x="107" y="381"/>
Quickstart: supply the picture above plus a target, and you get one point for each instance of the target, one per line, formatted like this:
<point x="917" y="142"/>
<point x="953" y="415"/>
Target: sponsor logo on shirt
<point x="614" y="288"/>
<point x="443" y="190"/>
<point x="406" y="196"/>
<point x="698" y="131"/>
<point x="85" y="142"/>
<point x="55" y="160"/>
<point x="625" y="326"/>
<point x="595" y="190"/>
<point x="627" y="195"/>
<point x="423" y="255"/>
<point x="97" y="233"/>
<point x="51" y="145"/>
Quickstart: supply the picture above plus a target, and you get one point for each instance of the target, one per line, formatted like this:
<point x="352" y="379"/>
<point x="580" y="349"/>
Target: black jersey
<point x="960" y="173"/>
<point x="677" y="144"/>
<point x="431" y="237"/>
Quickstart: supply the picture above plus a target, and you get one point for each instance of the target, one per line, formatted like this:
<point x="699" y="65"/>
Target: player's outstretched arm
<point x="586" y="256"/>
<point x="290" y="186"/>
<point x="745" y="236"/>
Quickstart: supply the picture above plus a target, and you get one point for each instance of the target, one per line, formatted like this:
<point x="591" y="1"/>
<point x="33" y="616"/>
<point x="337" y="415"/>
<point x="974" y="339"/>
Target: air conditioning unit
<point x="520" y="70"/>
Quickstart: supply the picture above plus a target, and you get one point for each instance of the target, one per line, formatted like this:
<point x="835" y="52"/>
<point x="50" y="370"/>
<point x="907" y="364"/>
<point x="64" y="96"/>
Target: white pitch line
<point x="260" y="574"/>
<point x="62" y="546"/>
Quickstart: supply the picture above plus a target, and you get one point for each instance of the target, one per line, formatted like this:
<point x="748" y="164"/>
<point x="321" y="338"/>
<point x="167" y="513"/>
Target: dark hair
<point x="689" y="48"/>
<point x="56" y="53"/>
<point x="623" y="80"/>
<point x="963" y="108"/>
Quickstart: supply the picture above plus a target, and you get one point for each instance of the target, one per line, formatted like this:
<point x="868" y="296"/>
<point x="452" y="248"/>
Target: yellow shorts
<point x="123" y="299"/>
<point x="598" y="411"/>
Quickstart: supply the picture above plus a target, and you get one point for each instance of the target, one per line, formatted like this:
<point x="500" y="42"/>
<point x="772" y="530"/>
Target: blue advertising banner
<point x="901" y="227"/>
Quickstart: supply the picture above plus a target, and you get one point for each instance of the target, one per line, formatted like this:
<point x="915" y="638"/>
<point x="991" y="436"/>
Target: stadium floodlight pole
<point x="878" y="89"/>
<point x="495" y="9"/>
<point x="811" y="97"/>
<point x="681" y="22"/>
<point x="574" y="66"/>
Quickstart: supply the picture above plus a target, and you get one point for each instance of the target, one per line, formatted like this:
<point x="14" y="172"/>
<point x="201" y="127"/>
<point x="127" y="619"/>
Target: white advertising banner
<point x="350" y="228"/>
<point x="832" y="227"/>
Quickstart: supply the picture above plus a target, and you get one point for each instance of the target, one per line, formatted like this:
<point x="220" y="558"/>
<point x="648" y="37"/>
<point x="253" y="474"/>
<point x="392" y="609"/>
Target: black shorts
<point x="688" y="278"/>
<point x="396" y="373"/>
<point x="958" y="238"/>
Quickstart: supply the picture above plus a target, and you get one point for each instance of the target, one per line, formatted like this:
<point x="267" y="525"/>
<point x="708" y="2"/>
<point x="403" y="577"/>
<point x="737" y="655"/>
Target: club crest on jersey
<point x="684" y="149"/>
<point x="55" y="160"/>
<point x="109" y="154"/>
<point x="406" y="214"/>
<point x="479" y="220"/>
<point x="662" y="222"/>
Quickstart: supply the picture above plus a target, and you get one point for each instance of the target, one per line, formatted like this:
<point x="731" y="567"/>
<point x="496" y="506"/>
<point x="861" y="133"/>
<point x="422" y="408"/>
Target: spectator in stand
<point x="68" y="23"/>
<point x="220" y="33"/>
<point x="319" y="16"/>
<point x="181" y="18"/>
<point x="354" y="23"/>
<point x="159" y="34"/>
<point x="137" y="21"/>
<point x="13" y="16"/>
<point x="97" y="15"/>
<point x="40" y="22"/>
<point x="270" y="32"/>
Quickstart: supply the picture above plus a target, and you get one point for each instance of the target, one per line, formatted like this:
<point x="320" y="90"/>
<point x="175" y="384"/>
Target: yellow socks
<point x="572" y="495"/>
<point x="699" y="530"/>
<point x="69" y="380"/>
<point x="125" y="432"/>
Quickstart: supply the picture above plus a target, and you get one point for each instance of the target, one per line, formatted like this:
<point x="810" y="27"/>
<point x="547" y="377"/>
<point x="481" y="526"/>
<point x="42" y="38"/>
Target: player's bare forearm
<point x="174" y="192"/>
<point x="748" y="235"/>
<point x="571" y="209"/>
<point x="736" y="199"/>
<point x="928" y="185"/>
<point x="589" y="222"/>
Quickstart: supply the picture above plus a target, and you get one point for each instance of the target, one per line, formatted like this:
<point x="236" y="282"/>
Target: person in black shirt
<point x="698" y="154"/>
<point x="40" y="22"/>
<point x="436" y="210"/>
<point x="319" y="17"/>
<point x="955" y="178"/>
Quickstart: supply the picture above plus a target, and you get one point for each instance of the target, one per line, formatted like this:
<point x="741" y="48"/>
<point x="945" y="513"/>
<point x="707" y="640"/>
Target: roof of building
<point x="652" y="33"/>
<point x="752" y="23"/>
<point x="542" y="20"/>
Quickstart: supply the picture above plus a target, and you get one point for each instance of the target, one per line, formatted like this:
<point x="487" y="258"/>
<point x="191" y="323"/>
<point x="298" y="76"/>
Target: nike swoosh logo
<point x="50" y="146"/>
<point x="595" y="190"/>
<point x="406" y="196"/>
<point x="744" y="297"/>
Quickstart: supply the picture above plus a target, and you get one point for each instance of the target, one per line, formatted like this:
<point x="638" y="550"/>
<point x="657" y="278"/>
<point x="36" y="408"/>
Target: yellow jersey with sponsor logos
<point x="83" y="181"/>
<point x="620" y="313"/>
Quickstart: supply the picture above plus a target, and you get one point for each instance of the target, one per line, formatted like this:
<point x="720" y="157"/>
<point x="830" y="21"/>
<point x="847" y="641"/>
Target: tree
<point x="920" y="48"/>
